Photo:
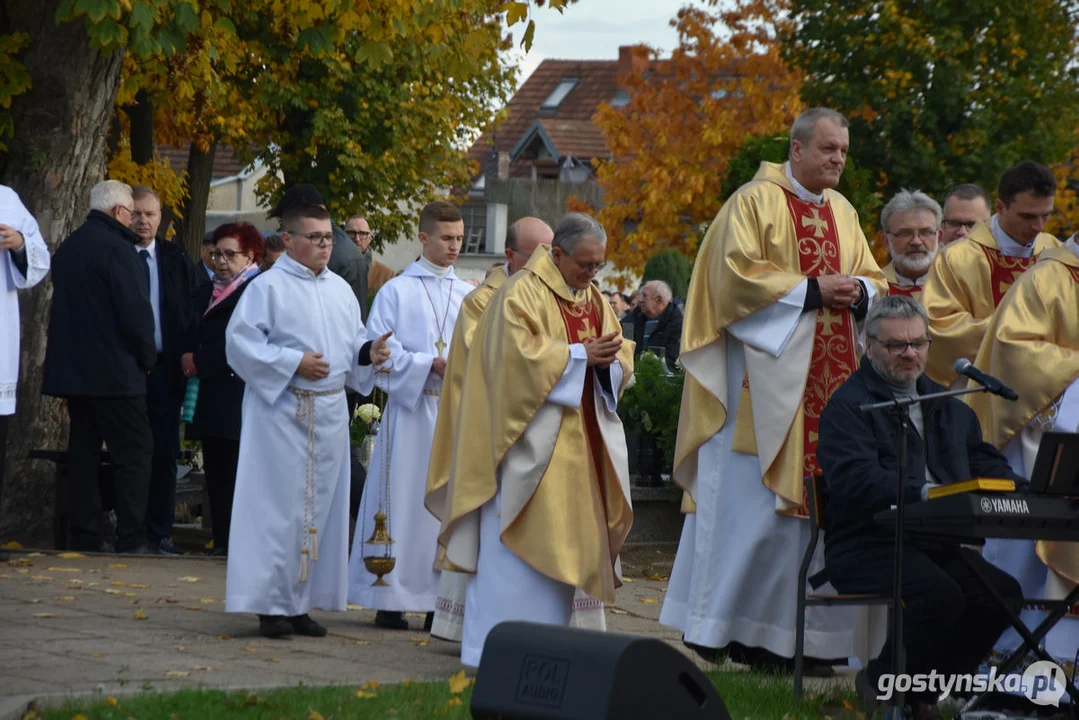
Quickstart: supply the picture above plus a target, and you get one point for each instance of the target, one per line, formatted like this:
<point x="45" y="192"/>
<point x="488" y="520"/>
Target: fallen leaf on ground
<point x="250" y="649"/>
<point x="70" y="555"/>
<point x="23" y="570"/>
<point x="139" y="586"/>
<point x="188" y="579"/>
<point x="454" y="701"/>
<point x="207" y="601"/>
<point x="458" y="683"/>
<point x="97" y="655"/>
<point x="363" y="694"/>
<point x="117" y="566"/>
<point x="315" y="715"/>
<point x="273" y="660"/>
<point x="616" y="611"/>
<point x="369" y="685"/>
<point x="40" y="578"/>
<point x="355" y="607"/>
<point x="194" y="607"/>
<point x="657" y="577"/>
<point x="140" y="614"/>
<point x="117" y="583"/>
<point x="204" y="668"/>
<point x="12" y="545"/>
<point x="177" y="673"/>
<point x="4" y="576"/>
<point x="65" y="598"/>
<point x="224" y="637"/>
<point x="80" y="716"/>
<point x="421" y="641"/>
<point x="63" y="569"/>
<point x="38" y="555"/>
<point x="626" y="580"/>
<point x="35" y="602"/>
<point x="110" y="591"/>
<point x="363" y="642"/>
<point x="43" y="615"/>
<point x="74" y="587"/>
<point x="181" y="648"/>
<point x="111" y="701"/>
<point x="650" y="601"/>
<point x="129" y="594"/>
<point x="21" y="562"/>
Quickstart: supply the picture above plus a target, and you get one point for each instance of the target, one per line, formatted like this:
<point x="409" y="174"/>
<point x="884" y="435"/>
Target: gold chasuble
<point x="1032" y="345"/>
<point x="563" y="472"/>
<point x="438" y="472"/>
<point x="905" y="287"/>
<point x="764" y="242"/>
<point x="964" y="287"/>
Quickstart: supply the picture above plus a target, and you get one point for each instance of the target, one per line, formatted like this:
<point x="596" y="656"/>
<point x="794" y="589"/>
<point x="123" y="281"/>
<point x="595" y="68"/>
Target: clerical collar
<point x="799" y="189"/>
<point x="506" y="269"/>
<point x="578" y="296"/>
<point x="438" y="272"/>
<point x="1073" y="243"/>
<point x="904" y="281"/>
<point x="1007" y="244"/>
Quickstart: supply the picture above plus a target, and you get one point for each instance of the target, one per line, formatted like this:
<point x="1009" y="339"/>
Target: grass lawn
<point x="746" y="695"/>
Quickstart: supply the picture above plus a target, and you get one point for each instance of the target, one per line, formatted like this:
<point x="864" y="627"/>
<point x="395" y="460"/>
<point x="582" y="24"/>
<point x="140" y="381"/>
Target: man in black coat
<point x="657" y="324"/>
<point x="950" y="623"/>
<point x="100" y="350"/>
<point x="171" y="275"/>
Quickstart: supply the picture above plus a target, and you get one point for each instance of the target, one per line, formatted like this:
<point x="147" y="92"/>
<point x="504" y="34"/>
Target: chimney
<point x="503" y="165"/>
<point x="632" y="58"/>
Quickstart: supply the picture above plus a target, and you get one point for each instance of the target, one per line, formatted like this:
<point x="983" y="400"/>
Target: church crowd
<point x="498" y="488"/>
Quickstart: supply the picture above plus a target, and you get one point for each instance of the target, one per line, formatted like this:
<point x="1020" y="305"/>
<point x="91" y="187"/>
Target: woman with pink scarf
<point x="238" y="250"/>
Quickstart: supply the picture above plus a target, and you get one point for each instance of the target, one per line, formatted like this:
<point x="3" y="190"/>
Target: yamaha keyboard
<point x="991" y="515"/>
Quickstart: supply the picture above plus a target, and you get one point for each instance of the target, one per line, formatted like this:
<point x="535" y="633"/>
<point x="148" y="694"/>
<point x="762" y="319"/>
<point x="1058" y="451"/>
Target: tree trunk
<point x="141" y="115"/>
<point x="191" y="228"/>
<point x="57" y="155"/>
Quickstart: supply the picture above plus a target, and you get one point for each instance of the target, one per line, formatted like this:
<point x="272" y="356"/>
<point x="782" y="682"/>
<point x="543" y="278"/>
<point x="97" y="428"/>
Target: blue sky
<point x="594" y="29"/>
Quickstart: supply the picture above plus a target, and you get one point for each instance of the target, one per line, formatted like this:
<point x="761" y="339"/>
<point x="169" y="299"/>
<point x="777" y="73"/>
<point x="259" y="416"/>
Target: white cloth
<point x="155" y="288"/>
<point x="281" y="316"/>
<point x="419" y="308"/>
<point x="1008" y="245"/>
<point x="1017" y="557"/>
<point x="800" y="190"/>
<point x="15" y="215"/>
<point x="735" y="573"/>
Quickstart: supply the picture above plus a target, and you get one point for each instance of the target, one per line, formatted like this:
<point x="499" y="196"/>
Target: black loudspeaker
<point x="533" y="672"/>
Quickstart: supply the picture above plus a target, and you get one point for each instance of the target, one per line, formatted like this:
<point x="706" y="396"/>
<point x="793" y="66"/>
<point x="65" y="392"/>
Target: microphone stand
<point x="901" y="406"/>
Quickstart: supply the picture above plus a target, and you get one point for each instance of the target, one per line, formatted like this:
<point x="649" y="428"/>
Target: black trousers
<point x="950" y="622"/>
<point x="121" y="422"/>
<point x="220" y="457"/>
<point x="163" y="406"/>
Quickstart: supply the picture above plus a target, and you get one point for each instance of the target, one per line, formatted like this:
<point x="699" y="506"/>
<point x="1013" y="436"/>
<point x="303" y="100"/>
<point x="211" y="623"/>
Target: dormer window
<point x="555" y="98"/>
<point x="621" y="99"/>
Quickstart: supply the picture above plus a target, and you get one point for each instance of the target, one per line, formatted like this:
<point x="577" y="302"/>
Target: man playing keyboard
<point x="949" y="622"/>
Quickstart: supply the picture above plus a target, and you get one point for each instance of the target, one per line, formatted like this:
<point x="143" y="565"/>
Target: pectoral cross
<point x="818" y="223"/>
<point x="440" y="346"/>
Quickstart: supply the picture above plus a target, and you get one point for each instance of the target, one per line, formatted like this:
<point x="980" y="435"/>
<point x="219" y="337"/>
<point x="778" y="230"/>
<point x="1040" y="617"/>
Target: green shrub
<point x="653" y="402"/>
<point x="673" y="268"/>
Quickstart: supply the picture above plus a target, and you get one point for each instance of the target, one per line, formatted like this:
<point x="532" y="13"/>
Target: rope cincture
<point x="305" y="410"/>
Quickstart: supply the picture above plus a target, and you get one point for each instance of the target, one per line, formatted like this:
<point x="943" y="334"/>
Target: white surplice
<point x="420" y="308"/>
<point x="1017" y="557"/>
<point x="735" y="574"/>
<point x="505" y="588"/>
<point x="294" y="470"/>
<point x="15" y="215"/>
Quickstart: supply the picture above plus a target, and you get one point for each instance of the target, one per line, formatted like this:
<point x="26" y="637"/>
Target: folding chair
<point x="817" y="509"/>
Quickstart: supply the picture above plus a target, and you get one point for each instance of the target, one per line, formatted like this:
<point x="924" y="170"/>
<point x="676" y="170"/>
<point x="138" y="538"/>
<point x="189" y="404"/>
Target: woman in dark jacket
<point x="238" y="250"/>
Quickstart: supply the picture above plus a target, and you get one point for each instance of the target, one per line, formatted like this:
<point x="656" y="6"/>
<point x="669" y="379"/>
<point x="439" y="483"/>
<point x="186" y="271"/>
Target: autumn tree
<point x="687" y="115"/>
<point x="939" y="92"/>
<point x="60" y="71"/>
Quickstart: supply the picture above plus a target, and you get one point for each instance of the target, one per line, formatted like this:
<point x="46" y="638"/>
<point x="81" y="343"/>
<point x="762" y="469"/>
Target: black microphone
<point x="966" y="368"/>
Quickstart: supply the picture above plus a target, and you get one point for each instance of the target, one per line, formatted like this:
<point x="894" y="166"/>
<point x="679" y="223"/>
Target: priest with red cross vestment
<point x="782" y="280"/>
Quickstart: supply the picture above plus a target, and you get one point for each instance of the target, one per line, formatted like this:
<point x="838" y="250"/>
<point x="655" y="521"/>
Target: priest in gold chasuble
<point x="1032" y="345"/>
<point x="537" y="502"/>
<point x="782" y="279"/>
<point x="910" y="229"/>
<point x="972" y="274"/>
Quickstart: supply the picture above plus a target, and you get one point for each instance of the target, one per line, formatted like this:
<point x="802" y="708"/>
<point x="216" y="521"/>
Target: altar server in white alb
<point x="420" y="308"/>
<point x="296" y="338"/>
<point x="24" y="261"/>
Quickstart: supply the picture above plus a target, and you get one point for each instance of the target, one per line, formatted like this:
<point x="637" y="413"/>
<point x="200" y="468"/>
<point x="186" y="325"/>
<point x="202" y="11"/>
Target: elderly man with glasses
<point x="949" y="623"/>
<point x="910" y="228"/>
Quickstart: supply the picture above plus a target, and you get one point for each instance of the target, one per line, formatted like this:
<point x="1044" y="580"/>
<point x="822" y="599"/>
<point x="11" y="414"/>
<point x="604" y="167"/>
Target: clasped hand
<point x="839" y="292"/>
<point x="10" y="238"/>
<point x="602" y="351"/>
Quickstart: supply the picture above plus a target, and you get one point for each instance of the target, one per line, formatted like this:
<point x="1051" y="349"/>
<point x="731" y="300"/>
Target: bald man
<point x="522" y="239"/>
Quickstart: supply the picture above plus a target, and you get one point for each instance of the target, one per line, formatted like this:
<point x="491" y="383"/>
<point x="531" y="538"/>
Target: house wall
<point x="545" y="199"/>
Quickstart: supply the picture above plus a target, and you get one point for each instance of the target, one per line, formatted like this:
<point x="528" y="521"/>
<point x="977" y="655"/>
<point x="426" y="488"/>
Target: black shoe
<point x="867" y="695"/>
<point x="705" y="653"/>
<point x="140" y="549"/>
<point x="165" y="547"/>
<point x="391" y="620"/>
<point x="274" y="626"/>
<point x="304" y="625"/>
<point x="428" y="622"/>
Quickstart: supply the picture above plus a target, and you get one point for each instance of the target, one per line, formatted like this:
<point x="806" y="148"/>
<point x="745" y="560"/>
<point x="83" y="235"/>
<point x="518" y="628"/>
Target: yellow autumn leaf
<point x="188" y="579"/>
<point x="64" y="598"/>
<point x="43" y="615"/>
<point x="207" y="601"/>
<point x="110" y="591"/>
<point x="649" y="601"/>
<point x="421" y="641"/>
<point x="363" y="694"/>
<point x="117" y="566"/>
<point x="181" y="648"/>
<point x="177" y="673"/>
<point x="315" y="715"/>
<point x="12" y="545"/>
<point x="140" y="614"/>
<point x="111" y="701"/>
<point x="131" y="594"/>
<point x="63" y="569"/>
<point x="369" y="685"/>
<point x="224" y="637"/>
<point x="97" y="655"/>
<point x="273" y="660"/>
<point x="194" y="607"/>
<point x="80" y="716"/>
<point x="37" y="554"/>
<point x="139" y="586"/>
<point x="70" y="555"/>
<point x="117" y="583"/>
<point x="21" y="562"/>
<point x="40" y="578"/>
<point x="249" y="649"/>
<point x="628" y="580"/>
<point x="204" y="668"/>
<point x="616" y="611"/>
<point x="454" y="701"/>
<point x="657" y="577"/>
<point x="458" y="683"/>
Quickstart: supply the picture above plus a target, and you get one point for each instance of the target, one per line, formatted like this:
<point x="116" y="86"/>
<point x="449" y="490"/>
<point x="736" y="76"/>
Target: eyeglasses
<point x="588" y="267"/>
<point x="229" y="255"/>
<point x="317" y="239"/>
<point x="358" y="233"/>
<point x="908" y="234"/>
<point x="956" y="224"/>
<point x="898" y="347"/>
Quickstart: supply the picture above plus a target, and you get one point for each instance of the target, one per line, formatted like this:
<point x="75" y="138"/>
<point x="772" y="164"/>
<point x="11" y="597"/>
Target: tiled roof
<point x="225" y="164"/>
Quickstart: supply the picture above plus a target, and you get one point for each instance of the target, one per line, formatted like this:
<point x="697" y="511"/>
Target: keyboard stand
<point x="1031" y="640"/>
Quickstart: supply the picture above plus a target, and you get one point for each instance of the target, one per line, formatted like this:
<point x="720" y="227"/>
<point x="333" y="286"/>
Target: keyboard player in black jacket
<point x="949" y="622"/>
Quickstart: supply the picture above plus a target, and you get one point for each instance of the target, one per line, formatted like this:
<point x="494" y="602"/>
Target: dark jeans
<point x="220" y="457"/>
<point x="121" y="422"/>
<point x="163" y="406"/>
<point x="950" y="622"/>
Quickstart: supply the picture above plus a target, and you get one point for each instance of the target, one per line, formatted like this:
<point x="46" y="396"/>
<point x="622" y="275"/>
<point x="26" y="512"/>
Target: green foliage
<point x="14" y="80"/>
<point x="856" y="184"/>
<point x="940" y="92"/>
<point x="672" y="267"/>
<point x="653" y="402"/>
